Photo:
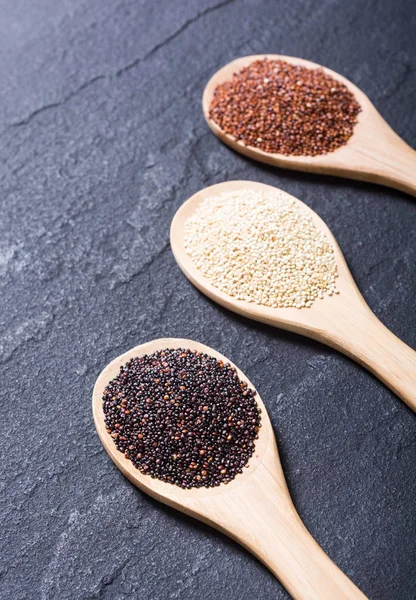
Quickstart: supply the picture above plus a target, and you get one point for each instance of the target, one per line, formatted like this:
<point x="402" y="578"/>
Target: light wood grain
<point x="374" y="152"/>
<point x="255" y="509"/>
<point x="342" y="321"/>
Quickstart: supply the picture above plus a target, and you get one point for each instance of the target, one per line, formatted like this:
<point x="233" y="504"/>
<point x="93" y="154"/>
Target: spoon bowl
<point x="343" y="321"/>
<point x="166" y="492"/>
<point x="374" y="152"/>
<point x="255" y="508"/>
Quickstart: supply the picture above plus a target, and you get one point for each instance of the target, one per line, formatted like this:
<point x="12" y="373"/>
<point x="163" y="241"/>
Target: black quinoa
<point x="183" y="417"/>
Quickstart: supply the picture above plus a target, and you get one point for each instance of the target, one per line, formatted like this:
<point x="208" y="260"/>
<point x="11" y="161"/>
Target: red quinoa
<point x="286" y="109"/>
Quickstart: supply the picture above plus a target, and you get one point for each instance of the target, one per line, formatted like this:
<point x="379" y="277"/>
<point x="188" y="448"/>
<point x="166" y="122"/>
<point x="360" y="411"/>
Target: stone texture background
<point x="102" y="138"/>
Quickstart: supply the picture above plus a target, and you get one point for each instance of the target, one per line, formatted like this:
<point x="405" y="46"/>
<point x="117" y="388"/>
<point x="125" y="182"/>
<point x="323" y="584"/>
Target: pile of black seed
<point x="183" y="417"/>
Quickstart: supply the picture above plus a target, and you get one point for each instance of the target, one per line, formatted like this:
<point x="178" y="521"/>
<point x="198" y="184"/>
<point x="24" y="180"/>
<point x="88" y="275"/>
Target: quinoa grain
<point x="261" y="247"/>
<point x="286" y="109"/>
<point x="188" y="443"/>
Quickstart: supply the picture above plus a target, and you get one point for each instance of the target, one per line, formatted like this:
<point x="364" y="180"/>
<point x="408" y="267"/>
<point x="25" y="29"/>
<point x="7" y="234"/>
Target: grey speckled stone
<point x="101" y="140"/>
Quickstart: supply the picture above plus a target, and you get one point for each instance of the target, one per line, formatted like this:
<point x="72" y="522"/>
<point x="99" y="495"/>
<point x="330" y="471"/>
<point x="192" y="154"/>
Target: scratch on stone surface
<point x="144" y="267"/>
<point x="6" y="256"/>
<point x="201" y="563"/>
<point x="33" y="329"/>
<point x="399" y="82"/>
<point x="280" y="398"/>
<point x="173" y="36"/>
<point x="379" y="424"/>
<point x="9" y="256"/>
<point x="402" y="447"/>
<point x="108" y="580"/>
<point x="76" y="522"/>
<point x="46" y="107"/>
<point x="120" y="71"/>
<point x="374" y="84"/>
<point x="261" y="360"/>
<point x="59" y="548"/>
<point x="167" y="301"/>
<point x="318" y="373"/>
<point x="375" y="265"/>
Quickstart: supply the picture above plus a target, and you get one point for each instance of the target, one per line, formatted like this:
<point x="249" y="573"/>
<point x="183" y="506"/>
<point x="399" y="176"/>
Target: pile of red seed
<point x="183" y="417"/>
<point x="286" y="109"/>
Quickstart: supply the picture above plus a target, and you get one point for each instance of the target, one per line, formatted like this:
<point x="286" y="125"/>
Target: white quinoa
<point x="262" y="247"/>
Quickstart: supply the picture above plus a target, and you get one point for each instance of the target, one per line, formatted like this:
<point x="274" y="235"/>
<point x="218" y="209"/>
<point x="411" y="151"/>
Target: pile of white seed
<point x="262" y="247"/>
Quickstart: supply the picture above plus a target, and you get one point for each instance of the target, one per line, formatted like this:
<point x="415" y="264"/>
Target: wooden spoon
<point x="255" y="508"/>
<point x="373" y="153"/>
<point x="343" y="321"/>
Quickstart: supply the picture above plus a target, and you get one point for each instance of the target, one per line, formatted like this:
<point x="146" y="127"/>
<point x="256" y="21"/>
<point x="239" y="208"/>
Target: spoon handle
<point x="260" y="516"/>
<point x="383" y="157"/>
<point x="357" y="332"/>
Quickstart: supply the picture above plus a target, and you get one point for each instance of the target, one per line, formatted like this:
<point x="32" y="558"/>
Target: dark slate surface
<point x="102" y="138"/>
